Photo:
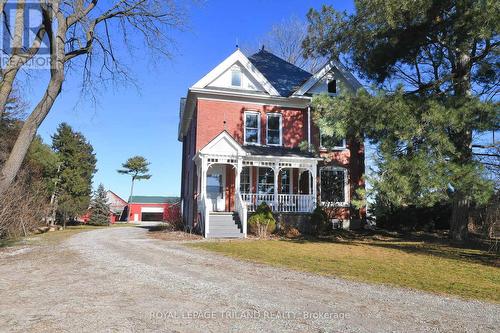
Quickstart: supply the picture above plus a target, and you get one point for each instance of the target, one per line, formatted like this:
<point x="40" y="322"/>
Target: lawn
<point x="426" y="266"/>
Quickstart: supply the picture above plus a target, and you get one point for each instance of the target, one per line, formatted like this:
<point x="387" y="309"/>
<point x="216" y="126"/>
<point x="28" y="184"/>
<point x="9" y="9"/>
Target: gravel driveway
<point x="121" y="280"/>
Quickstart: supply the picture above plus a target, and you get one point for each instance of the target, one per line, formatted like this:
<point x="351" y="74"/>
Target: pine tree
<point x="137" y="168"/>
<point x="99" y="208"/>
<point x="78" y="162"/>
<point x="434" y="67"/>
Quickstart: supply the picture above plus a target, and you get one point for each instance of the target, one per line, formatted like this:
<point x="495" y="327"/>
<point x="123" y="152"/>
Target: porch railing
<point x="286" y="203"/>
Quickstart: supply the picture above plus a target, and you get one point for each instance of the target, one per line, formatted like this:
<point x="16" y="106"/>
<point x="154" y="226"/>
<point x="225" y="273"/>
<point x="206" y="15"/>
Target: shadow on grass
<point x="421" y="244"/>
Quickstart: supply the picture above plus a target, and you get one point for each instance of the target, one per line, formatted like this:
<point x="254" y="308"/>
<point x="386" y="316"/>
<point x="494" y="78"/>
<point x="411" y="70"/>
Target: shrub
<point x="319" y="221"/>
<point x="262" y="222"/>
<point x="290" y="232"/>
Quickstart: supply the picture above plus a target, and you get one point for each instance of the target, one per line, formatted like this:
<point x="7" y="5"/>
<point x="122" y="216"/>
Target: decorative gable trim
<point x="223" y="144"/>
<point x="351" y="80"/>
<point x="236" y="57"/>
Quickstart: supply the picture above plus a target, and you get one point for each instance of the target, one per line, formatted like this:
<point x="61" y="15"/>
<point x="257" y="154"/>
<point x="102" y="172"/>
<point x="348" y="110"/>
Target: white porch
<point x="231" y="180"/>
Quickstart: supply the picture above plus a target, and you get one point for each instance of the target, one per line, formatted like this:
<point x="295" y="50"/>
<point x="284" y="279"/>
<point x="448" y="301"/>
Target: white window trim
<point x="343" y="147"/>
<point x="347" y="194"/>
<point x="245" y="128"/>
<point x="281" y="128"/>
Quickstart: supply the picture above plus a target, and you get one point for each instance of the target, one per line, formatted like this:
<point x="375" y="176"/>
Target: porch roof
<point x="276" y="151"/>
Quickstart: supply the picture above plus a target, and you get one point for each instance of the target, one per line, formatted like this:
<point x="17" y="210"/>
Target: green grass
<point x="426" y="266"/>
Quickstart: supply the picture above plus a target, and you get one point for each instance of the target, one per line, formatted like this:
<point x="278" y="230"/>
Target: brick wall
<point x="212" y="114"/>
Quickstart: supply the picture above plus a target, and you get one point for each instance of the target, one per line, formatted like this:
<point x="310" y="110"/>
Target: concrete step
<point x="220" y="219"/>
<point x="225" y="235"/>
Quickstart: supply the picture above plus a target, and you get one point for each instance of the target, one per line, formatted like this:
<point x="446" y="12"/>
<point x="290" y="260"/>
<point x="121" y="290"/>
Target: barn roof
<point x="152" y="199"/>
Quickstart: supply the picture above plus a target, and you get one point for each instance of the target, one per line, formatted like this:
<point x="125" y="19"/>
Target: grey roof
<point x="276" y="151"/>
<point x="283" y="76"/>
<point x="152" y="199"/>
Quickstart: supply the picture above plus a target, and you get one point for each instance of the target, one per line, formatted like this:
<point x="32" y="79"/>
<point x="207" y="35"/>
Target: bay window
<point x="333" y="185"/>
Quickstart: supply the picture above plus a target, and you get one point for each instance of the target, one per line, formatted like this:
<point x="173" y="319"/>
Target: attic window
<point x="332" y="86"/>
<point x="236" y="78"/>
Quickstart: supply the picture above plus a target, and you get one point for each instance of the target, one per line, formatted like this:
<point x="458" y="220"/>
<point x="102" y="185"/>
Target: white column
<point x="237" y="176"/>
<point x="309" y="128"/>
<point x="315" y="184"/>
<point x="203" y="176"/>
<point x="276" y="171"/>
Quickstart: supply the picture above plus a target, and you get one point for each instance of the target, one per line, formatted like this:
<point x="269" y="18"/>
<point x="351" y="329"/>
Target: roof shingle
<point x="283" y="76"/>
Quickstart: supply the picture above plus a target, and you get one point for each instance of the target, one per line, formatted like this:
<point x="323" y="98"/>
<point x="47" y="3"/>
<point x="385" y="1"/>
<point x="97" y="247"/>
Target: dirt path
<point x="120" y="280"/>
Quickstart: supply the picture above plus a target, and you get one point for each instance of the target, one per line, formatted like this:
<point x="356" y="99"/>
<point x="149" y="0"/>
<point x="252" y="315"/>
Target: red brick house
<point x="241" y="126"/>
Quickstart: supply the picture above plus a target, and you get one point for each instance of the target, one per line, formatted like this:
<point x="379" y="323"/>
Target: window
<point x="333" y="185"/>
<point x="245" y="180"/>
<point x="274" y="129"/>
<point x="285" y="181"/>
<point x="266" y="181"/>
<point x="331" y="142"/>
<point x="235" y="78"/>
<point x="332" y="86"/>
<point x="252" y="128"/>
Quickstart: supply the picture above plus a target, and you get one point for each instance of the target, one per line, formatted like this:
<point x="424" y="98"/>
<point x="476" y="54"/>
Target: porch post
<point x="203" y="177"/>
<point x="203" y="192"/>
<point x="314" y="185"/>
<point x="276" y="171"/>
<point x="237" y="177"/>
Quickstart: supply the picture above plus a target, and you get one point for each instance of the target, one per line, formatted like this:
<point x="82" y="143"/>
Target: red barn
<point x="116" y="205"/>
<point x="151" y="208"/>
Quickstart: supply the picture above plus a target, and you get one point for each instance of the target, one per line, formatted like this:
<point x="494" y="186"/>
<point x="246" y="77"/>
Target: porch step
<point x="224" y="225"/>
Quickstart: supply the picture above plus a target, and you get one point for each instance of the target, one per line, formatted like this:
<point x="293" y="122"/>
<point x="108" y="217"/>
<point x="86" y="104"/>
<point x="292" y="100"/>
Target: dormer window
<point x="332" y="86"/>
<point x="236" y="78"/>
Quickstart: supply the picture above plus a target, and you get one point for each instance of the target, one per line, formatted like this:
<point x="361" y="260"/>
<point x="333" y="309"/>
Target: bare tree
<point x="285" y="40"/>
<point x="87" y="35"/>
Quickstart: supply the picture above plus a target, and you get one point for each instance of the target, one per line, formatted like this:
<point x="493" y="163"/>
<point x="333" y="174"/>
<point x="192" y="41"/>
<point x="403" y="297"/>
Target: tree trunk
<point x="463" y="142"/>
<point x="28" y="131"/>
<point x="459" y="230"/>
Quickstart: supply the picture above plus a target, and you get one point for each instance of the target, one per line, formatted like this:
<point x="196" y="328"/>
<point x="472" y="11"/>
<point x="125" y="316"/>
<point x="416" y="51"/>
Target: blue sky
<point x="129" y="122"/>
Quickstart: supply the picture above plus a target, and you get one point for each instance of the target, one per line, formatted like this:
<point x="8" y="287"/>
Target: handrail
<point x="242" y="210"/>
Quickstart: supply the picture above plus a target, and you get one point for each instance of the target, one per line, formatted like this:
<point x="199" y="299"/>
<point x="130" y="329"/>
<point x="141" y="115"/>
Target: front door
<point x="216" y="183"/>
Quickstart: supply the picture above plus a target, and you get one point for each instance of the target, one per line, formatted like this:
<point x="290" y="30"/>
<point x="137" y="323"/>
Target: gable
<point x="318" y="83"/>
<point x="252" y="77"/>
<point x="247" y="80"/>
<point x="223" y="144"/>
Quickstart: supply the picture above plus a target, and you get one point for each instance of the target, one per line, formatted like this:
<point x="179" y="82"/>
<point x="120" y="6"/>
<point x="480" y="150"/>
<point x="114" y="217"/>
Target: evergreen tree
<point x="137" y="168"/>
<point x="78" y="162"/>
<point x="434" y="66"/>
<point x="99" y="208"/>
